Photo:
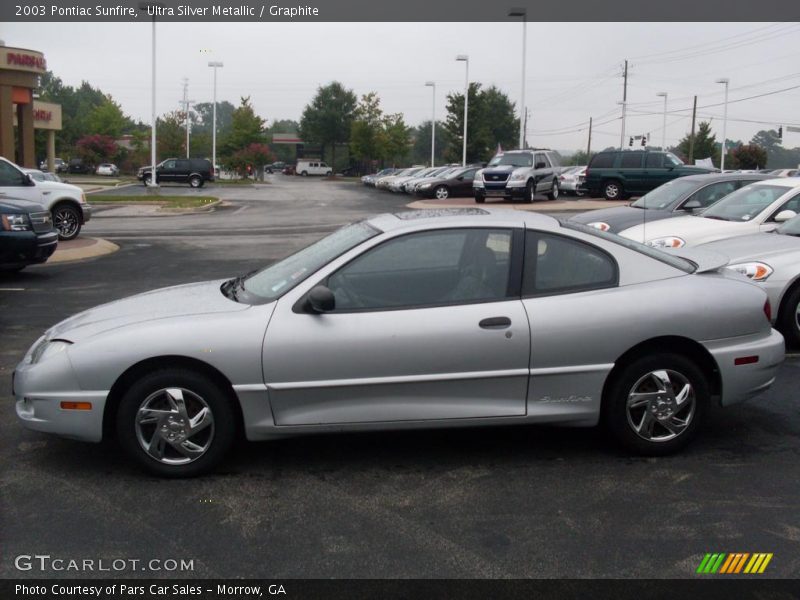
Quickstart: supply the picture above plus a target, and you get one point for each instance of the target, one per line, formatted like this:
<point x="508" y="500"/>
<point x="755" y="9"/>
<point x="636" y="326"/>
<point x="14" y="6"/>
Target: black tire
<point x="328" y="174"/>
<point x="304" y="173"/>
<point x="442" y="192"/>
<point x="613" y="190"/>
<point x="196" y="181"/>
<point x="620" y="423"/>
<point x="67" y="220"/>
<point x="480" y="199"/>
<point x="147" y="179"/>
<point x="530" y="192"/>
<point x="553" y="195"/>
<point x="220" y="439"/>
<point x="789" y="318"/>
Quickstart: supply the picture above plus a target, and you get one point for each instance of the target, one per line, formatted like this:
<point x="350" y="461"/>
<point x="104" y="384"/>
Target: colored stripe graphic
<point x="734" y="563"/>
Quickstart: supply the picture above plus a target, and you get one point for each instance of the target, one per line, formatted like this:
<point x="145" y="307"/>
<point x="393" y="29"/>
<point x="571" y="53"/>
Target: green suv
<point x="617" y="174"/>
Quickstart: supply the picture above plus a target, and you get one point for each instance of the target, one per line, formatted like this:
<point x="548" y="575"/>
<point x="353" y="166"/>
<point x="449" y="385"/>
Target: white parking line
<point x="12" y="289"/>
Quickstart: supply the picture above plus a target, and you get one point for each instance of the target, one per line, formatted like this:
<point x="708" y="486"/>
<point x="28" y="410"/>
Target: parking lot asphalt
<point x="490" y="502"/>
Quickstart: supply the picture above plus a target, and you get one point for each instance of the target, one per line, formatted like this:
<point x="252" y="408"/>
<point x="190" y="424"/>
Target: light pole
<point x="214" y="65"/>
<point x="151" y="7"/>
<point x="517" y="11"/>
<point x="664" y="124"/>
<point x="726" y="81"/>
<point x="622" y="133"/>
<point x="432" y="84"/>
<point x="465" y="59"/>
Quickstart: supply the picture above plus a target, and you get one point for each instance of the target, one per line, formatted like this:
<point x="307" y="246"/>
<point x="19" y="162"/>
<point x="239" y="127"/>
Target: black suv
<point x="616" y="174"/>
<point x="27" y="235"/>
<point x="519" y="174"/>
<point x="194" y="171"/>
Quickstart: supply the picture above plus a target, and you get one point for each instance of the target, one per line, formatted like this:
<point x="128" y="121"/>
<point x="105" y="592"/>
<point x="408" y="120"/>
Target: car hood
<point x="57" y="186"/>
<point x="504" y="169"/>
<point x="706" y="260"/>
<point x="759" y="246"/>
<point x="693" y="230"/>
<point x="620" y="218"/>
<point x="177" y="301"/>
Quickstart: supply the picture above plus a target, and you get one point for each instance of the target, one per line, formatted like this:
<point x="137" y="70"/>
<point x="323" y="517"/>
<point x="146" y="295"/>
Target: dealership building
<point x="20" y="112"/>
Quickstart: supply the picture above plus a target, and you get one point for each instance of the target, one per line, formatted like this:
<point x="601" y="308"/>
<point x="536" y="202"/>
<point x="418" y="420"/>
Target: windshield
<point x="275" y="280"/>
<point x="517" y="159"/>
<point x="666" y="194"/>
<point x="671" y="160"/>
<point x="790" y="227"/>
<point x="673" y="261"/>
<point x="746" y="203"/>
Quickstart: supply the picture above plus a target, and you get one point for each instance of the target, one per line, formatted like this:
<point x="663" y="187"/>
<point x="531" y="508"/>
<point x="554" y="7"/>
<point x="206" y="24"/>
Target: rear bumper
<point x="744" y="381"/>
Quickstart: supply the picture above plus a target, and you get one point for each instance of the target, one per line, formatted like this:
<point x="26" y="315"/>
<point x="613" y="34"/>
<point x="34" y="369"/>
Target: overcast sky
<point x="573" y="69"/>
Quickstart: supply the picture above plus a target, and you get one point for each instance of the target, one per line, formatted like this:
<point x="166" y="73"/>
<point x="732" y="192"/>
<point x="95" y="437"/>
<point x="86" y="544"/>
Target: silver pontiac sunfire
<point x="418" y="319"/>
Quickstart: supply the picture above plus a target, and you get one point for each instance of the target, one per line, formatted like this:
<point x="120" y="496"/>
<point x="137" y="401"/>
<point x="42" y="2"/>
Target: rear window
<point x="631" y="160"/>
<point x="673" y="261"/>
<point x="603" y="161"/>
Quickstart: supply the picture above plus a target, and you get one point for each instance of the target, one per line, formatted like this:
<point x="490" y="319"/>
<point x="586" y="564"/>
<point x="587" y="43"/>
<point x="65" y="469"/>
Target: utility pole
<point x="589" y="144"/>
<point x="525" y="129"/>
<point x="691" y="139"/>
<point x="624" y="104"/>
<point x="185" y="103"/>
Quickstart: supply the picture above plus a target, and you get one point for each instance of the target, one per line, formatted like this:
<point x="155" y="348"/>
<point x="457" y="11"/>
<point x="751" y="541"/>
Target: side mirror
<point x="540" y="165"/>
<point x="28" y="180"/>
<point x="692" y="205"/>
<point x="321" y="299"/>
<point x="784" y="216"/>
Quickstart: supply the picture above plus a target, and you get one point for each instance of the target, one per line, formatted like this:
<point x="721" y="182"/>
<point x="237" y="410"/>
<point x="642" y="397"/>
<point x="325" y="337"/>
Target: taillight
<point x="768" y="310"/>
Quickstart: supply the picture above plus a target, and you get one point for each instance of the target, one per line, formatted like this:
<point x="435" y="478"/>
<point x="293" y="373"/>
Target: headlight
<point x="47" y="349"/>
<point x="478" y="176"/>
<point x="424" y="186"/>
<point x="15" y="222"/>
<point x="600" y="225"/>
<point x="666" y="242"/>
<point x="83" y="198"/>
<point x="757" y="271"/>
<point x="517" y="176"/>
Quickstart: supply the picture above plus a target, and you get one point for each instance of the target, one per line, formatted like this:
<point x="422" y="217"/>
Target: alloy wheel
<point x="442" y="193"/>
<point x="174" y="426"/>
<point x="66" y="222"/>
<point x="661" y="405"/>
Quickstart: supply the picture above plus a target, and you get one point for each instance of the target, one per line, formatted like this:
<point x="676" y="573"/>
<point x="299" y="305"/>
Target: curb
<point x="163" y="212"/>
<point x="74" y="252"/>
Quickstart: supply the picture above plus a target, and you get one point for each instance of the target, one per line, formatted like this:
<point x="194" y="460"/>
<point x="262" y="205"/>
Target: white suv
<point x="312" y="167"/>
<point x="66" y="203"/>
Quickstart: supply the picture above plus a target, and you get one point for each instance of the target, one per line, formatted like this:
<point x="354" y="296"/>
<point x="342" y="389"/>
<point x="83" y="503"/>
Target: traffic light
<point x="780" y="132"/>
<point x="631" y="142"/>
<point x="644" y="141"/>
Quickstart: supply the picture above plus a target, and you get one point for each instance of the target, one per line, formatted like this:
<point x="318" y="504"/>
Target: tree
<point x="705" y="144"/>
<point x="171" y="135"/>
<point x="421" y="149"/>
<point x="491" y="121"/>
<point x="107" y="119"/>
<point x="328" y="118"/>
<point x="397" y="139"/>
<point x="95" y="149"/>
<point x="747" y="156"/>
<point x="367" y="138"/>
<point x="246" y="128"/>
<point x="250" y="160"/>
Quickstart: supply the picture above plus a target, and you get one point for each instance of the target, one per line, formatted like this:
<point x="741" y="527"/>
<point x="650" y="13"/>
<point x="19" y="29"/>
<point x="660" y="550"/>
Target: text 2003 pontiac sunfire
<point x="418" y="319"/>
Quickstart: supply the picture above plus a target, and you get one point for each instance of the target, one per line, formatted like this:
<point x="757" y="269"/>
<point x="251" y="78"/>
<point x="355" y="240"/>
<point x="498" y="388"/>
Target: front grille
<point x="41" y="222"/>
<point x="492" y="177"/>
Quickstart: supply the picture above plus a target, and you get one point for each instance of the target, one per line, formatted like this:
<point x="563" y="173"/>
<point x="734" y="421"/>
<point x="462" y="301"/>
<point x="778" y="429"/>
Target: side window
<point x="10" y="175"/>
<point x="469" y="175"/>
<point x="170" y="165"/>
<point x="554" y="160"/>
<point x="603" y="160"/>
<point x="792" y="204"/>
<point x="559" y="265"/>
<point x="631" y="160"/>
<point x="711" y="193"/>
<point x="322" y="164"/>
<point x="541" y="158"/>
<point x="655" y="160"/>
<point x="450" y="266"/>
<point x="183" y="165"/>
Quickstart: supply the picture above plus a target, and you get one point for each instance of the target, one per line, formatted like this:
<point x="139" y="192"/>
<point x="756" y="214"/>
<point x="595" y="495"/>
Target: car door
<point x="15" y="184"/>
<point x="656" y="172"/>
<point x="427" y="326"/>
<point x="462" y="185"/>
<point x="183" y="167"/>
<point x="542" y="174"/>
<point x="167" y="170"/>
<point x="570" y="293"/>
<point x="632" y="167"/>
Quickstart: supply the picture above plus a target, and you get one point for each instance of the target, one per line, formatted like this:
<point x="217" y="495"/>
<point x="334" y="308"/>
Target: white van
<point x="312" y="167"/>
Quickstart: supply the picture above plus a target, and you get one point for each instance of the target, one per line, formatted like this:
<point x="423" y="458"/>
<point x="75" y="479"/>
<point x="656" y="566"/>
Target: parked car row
<point x="429" y="182"/>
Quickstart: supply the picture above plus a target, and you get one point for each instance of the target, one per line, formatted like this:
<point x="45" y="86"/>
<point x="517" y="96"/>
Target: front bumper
<point x="744" y="381"/>
<point x="20" y="248"/>
<point x="39" y="390"/>
<point x="506" y="189"/>
<point x="86" y="213"/>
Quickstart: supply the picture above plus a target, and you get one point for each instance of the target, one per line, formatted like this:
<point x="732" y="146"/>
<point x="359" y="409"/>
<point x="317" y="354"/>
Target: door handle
<point x="495" y="323"/>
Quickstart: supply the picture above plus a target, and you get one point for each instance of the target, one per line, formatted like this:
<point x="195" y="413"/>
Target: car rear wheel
<point x="613" y="190"/>
<point x="789" y="320"/>
<point x="654" y="405"/>
<point x="196" y="181"/>
<point x="67" y="221"/>
<point x="553" y="195"/>
<point x="176" y="423"/>
<point x="304" y="173"/>
<point x="442" y="193"/>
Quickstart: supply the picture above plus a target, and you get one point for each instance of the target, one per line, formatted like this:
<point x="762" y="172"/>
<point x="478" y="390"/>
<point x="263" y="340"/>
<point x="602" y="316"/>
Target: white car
<point x="758" y="207"/>
<point x="571" y="179"/>
<point x="312" y="167"/>
<point x="66" y="203"/>
<point x="107" y="169"/>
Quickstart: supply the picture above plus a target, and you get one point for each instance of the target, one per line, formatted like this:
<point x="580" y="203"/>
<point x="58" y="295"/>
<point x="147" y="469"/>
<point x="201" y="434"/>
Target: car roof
<point x="787" y="182"/>
<point x="463" y="217"/>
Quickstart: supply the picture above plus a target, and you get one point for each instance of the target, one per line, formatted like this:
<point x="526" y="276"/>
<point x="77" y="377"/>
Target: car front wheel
<point x="553" y="195"/>
<point x="176" y="423"/>
<point x="442" y="193"/>
<point x="530" y="191"/>
<point x="67" y="221"/>
<point x="655" y="404"/>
